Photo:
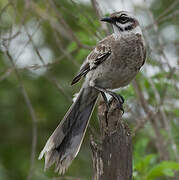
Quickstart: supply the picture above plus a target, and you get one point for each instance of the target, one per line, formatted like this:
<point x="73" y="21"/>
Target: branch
<point x="27" y="3"/>
<point x="4" y="8"/>
<point x="163" y="15"/>
<point x="32" y="113"/>
<point x="113" y="158"/>
<point x="99" y="14"/>
<point x="63" y="28"/>
<point x="160" y="145"/>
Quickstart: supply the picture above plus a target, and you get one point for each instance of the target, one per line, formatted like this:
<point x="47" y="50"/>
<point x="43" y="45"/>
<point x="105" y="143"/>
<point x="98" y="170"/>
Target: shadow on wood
<point x="112" y="159"/>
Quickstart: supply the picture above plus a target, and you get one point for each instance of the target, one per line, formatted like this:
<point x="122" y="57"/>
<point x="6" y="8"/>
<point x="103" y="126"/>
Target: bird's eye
<point x="123" y="19"/>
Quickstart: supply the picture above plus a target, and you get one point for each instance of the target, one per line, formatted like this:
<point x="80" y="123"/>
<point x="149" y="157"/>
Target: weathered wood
<point x="112" y="160"/>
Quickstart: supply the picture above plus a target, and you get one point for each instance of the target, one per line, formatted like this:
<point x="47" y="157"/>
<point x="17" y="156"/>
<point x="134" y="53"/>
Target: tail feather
<point x="65" y="142"/>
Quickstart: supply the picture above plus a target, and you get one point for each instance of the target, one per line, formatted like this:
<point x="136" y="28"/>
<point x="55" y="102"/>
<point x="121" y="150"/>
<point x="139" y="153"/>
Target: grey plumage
<point x="112" y="64"/>
<point x="63" y="145"/>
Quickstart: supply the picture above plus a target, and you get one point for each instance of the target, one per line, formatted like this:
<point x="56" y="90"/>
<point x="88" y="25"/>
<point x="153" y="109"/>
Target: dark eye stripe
<point x="123" y="20"/>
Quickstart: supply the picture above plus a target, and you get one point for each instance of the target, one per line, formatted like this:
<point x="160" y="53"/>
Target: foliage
<point x="148" y="167"/>
<point x="47" y="43"/>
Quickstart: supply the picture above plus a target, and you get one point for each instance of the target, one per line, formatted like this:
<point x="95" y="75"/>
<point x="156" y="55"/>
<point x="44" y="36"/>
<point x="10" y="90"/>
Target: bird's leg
<point x="107" y="106"/>
<point x="105" y="100"/>
<point x="117" y="97"/>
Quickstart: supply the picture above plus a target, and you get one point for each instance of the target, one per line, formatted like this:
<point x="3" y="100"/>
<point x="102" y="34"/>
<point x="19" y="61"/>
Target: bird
<point x="112" y="64"/>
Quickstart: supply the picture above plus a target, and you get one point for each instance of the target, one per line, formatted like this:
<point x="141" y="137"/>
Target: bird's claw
<point x="120" y="102"/>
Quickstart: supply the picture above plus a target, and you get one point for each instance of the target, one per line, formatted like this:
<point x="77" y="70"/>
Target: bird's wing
<point x="83" y="71"/>
<point x="101" y="52"/>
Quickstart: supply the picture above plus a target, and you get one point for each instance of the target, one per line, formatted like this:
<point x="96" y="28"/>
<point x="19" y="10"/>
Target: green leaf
<point x="163" y="169"/>
<point x="176" y="111"/>
<point x="168" y="172"/>
<point x="143" y="165"/>
<point x="82" y="54"/>
<point x="72" y="46"/>
<point x="139" y="148"/>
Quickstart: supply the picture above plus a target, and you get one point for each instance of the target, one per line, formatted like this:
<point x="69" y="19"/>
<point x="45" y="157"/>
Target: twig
<point x="22" y="50"/>
<point x="11" y="37"/>
<point x="87" y="26"/>
<point x="54" y="81"/>
<point x="142" y="123"/>
<point x="65" y="52"/>
<point x="6" y="74"/>
<point x="99" y="14"/>
<point x="172" y="70"/>
<point x="173" y="5"/>
<point x="159" y="139"/>
<point x="33" y="116"/>
<point x="35" y="48"/>
<point x="162" y="16"/>
<point x="67" y="27"/>
<point x="27" y="3"/>
<point x="32" y="67"/>
<point x="48" y="75"/>
<point x="4" y="8"/>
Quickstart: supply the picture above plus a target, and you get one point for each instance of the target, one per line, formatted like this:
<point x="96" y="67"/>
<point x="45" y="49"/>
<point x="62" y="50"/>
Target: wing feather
<point x="95" y="58"/>
<point x="83" y="71"/>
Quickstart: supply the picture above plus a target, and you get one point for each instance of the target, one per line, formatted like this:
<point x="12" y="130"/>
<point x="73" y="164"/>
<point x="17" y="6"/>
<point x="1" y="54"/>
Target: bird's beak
<point x="107" y="19"/>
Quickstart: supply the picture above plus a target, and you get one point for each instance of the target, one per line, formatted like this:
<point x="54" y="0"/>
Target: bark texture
<point x="112" y="159"/>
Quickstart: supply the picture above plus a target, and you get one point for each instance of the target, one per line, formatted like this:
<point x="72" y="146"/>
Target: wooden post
<point x="112" y="159"/>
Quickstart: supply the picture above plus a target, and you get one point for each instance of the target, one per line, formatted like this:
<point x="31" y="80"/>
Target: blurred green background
<point x="42" y="45"/>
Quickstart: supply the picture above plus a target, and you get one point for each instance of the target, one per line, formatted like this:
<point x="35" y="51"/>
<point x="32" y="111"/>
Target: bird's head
<point x="123" y="22"/>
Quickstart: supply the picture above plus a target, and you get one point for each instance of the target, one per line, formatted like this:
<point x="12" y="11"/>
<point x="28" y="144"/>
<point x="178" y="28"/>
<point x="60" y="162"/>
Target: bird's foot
<point x="115" y="96"/>
<point x="119" y="99"/>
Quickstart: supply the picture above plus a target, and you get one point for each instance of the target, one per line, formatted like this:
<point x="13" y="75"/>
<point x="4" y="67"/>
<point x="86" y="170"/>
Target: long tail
<point x="64" y="144"/>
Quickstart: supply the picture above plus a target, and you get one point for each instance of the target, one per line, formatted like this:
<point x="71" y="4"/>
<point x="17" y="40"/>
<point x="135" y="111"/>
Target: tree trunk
<point x="112" y="159"/>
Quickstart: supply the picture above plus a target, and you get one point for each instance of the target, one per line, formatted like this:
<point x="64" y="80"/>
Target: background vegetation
<point x="43" y="43"/>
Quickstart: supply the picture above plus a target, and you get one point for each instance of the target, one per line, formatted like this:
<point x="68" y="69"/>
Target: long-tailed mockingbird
<point x="112" y="64"/>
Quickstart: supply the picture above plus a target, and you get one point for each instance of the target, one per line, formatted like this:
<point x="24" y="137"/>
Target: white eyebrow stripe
<point x="123" y="15"/>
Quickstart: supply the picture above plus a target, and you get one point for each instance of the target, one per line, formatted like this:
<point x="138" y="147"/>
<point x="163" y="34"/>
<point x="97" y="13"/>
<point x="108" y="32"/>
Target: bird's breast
<point x="122" y="65"/>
